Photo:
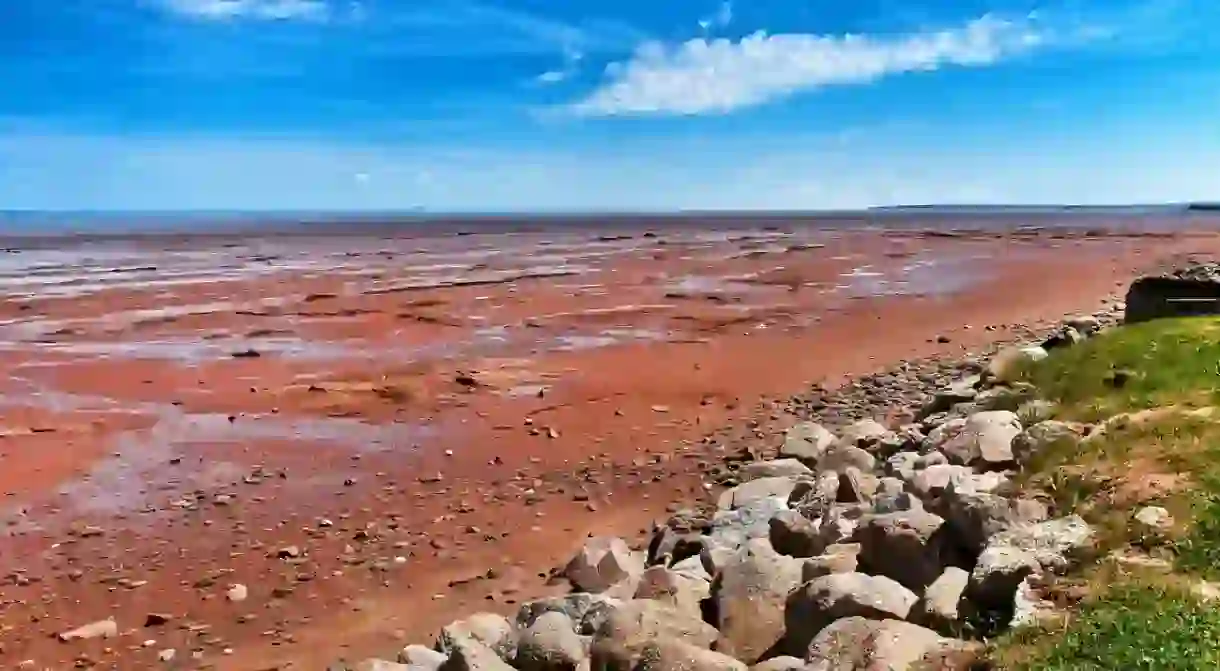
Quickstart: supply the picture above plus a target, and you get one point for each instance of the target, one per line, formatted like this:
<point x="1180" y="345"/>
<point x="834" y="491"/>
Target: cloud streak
<point x="703" y="76"/>
<point x="265" y="10"/>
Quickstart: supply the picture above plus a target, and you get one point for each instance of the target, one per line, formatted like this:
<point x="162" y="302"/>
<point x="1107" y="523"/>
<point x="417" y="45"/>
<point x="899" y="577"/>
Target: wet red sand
<point x="432" y="423"/>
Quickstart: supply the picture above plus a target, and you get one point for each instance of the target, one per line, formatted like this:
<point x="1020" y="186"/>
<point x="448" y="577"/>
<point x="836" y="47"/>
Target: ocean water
<point x="1144" y="217"/>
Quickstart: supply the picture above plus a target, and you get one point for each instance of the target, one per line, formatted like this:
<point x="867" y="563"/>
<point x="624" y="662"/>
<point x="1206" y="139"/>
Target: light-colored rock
<point x="932" y="481"/>
<point x="684" y="590"/>
<point x="421" y="658"/>
<point x="975" y="516"/>
<point x="942" y="433"/>
<point x="998" y="573"/>
<point x="902" y="465"/>
<point x="733" y="528"/>
<point x="380" y="665"/>
<point x="586" y="611"/>
<point x="939" y="607"/>
<point x="781" y="663"/>
<point x="750" y="598"/>
<point x="775" y="468"/>
<point x="237" y="593"/>
<point x="605" y="564"/>
<point x="670" y="655"/>
<point x="807" y="441"/>
<point x="1027" y="609"/>
<point x="550" y="644"/>
<point x="1055" y="543"/>
<point x="635" y="622"/>
<point x="862" y="644"/>
<point x="838" y="524"/>
<point x="863" y="433"/>
<point x="635" y="627"/>
<point x="905" y="546"/>
<point x="751" y="492"/>
<point x="856" y="486"/>
<point x="985" y="440"/>
<point x="1154" y="520"/>
<point x="467" y="654"/>
<point x="816" y="604"/>
<point x="1005" y="365"/>
<point x="692" y="567"/>
<point x="961" y="391"/>
<point x="488" y="629"/>
<point x="107" y="628"/>
<point x="813" y="498"/>
<point x="1084" y="324"/>
<point x="840" y="558"/>
<point x="842" y="455"/>
<point x="1036" y="439"/>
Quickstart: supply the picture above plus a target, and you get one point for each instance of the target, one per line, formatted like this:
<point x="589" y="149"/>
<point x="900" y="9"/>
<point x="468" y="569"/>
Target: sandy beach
<point x="374" y="433"/>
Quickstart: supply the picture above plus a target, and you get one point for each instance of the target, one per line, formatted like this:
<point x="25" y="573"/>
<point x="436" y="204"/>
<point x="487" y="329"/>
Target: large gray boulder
<point x="997" y="574"/>
<point x="863" y="644"/>
<point x="775" y="468"/>
<point x="932" y="481"/>
<point x="863" y="433"/>
<point x="488" y="629"/>
<point x="984" y="441"/>
<point x="586" y="611"/>
<point x="683" y="589"/>
<point x="975" y="516"/>
<point x="635" y="627"/>
<point x="421" y="658"/>
<point x="550" y="644"/>
<point x="1056" y="543"/>
<point x="374" y="664"/>
<point x="640" y="620"/>
<point x="807" y="441"/>
<point x="840" y="558"/>
<point x="812" y="498"/>
<point x="467" y="654"/>
<point x="781" y="663"/>
<point x="816" y="604"/>
<point x="1037" y="439"/>
<point x="605" y="564"/>
<point x="670" y="655"/>
<point x="842" y="455"/>
<point x="750" y="598"/>
<point x="733" y="528"/>
<point x="747" y="493"/>
<point x="906" y="546"/>
<point x="1009" y="362"/>
<point x="940" y="606"/>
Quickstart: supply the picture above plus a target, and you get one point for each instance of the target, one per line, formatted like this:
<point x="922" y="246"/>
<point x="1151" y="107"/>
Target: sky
<point x="624" y="105"/>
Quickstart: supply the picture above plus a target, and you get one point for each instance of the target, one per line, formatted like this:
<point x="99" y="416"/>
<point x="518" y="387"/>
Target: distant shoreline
<point x="30" y="224"/>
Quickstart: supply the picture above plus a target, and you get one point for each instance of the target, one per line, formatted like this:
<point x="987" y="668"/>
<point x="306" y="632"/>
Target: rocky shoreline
<point x="882" y="532"/>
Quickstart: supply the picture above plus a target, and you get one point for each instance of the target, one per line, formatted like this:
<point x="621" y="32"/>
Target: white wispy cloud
<point x="703" y="76"/>
<point x="571" y="65"/>
<point x="722" y="18"/>
<point x="267" y="10"/>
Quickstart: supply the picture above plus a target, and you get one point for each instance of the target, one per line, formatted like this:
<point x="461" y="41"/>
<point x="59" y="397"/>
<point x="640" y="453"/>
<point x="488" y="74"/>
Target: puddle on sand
<point x="136" y="476"/>
<point x="922" y="276"/>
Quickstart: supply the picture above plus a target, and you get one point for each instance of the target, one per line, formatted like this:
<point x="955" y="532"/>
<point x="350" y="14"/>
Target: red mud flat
<point x="377" y="434"/>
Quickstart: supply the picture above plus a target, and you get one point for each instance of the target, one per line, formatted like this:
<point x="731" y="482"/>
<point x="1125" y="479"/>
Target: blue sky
<point x="591" y="104"/>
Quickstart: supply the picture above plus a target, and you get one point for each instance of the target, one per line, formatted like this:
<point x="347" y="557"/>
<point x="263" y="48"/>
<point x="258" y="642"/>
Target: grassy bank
<point x="1153" y="390"/>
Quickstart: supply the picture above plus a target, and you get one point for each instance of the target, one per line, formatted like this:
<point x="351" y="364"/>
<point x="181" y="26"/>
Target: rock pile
<point x="870" y="546"/>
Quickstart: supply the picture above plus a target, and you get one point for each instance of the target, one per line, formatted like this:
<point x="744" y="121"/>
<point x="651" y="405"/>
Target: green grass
<point x="1130" y="621"/>
<point x="1158" y="363"/>
<point x="1133" y="626"/>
